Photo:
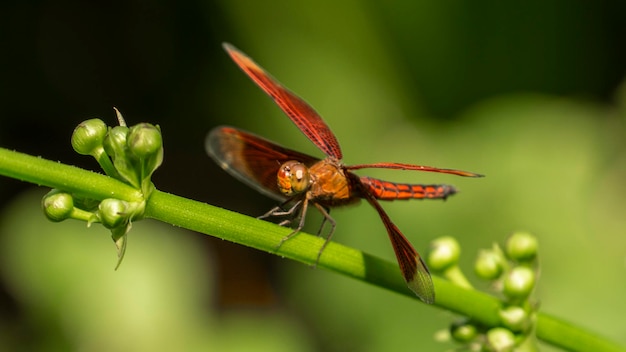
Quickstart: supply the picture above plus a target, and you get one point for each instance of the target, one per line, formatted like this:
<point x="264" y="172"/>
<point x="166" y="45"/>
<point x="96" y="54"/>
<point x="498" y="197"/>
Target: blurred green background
<point x="528" y="94"/>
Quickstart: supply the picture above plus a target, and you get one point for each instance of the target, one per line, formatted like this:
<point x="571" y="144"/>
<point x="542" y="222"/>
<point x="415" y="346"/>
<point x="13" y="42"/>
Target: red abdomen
<point x="385" y="190"/>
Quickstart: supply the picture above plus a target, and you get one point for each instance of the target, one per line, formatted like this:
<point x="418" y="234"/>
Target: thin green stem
<point x="455" y="275"/>
<point x="105" y="162"/>
<point x="265" y="236"/>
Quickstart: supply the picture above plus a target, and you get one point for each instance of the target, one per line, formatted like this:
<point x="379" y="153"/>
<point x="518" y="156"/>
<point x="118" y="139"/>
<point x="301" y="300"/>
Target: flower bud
<point x="519" y="283"/>
<point x="521" y="247"/>
<point x="500" y="339"/>
<point x="463" y="331"/>
<point x="88" y="137"/>
<point x="444" y="253"/>
<point x="113" y="213"/>
<point x="514" y="318"/>
<point x="57" y="205"/>
<point x="146" y="146"/>
<point x="144" y="140"/>
<point x="115" y="145"/>
<point x="489" y="264"/>
<point x="115" y="142"/>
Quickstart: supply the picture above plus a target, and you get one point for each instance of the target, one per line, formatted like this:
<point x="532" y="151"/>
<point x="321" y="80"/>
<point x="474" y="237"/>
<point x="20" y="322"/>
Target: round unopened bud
<point x="88" y="136"/>
<point x="500" y="339"/>
<point x="514" y="318"/>
<point x="115" y="141"/>
<point x="463" y="331"/>
<point x="519" y="283"/>
<point x="57" y="205"/>
<point x="444" y="253"/>
<point x="521" y="247"/>
<point x="489" y="264"/>
<point x="144" y="140"/>
<point x="113" y="212"/>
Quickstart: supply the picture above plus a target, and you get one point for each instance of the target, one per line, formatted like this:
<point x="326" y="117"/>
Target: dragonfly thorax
<point x="293" y="178"/>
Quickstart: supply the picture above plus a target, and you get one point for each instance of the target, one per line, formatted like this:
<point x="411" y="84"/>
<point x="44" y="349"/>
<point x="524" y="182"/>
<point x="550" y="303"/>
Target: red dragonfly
<point x="301" y="180"/>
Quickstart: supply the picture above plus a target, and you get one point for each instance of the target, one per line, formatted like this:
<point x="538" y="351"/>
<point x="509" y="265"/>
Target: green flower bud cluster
<point x="512" y="272"/>
<point x="129" y="154"/>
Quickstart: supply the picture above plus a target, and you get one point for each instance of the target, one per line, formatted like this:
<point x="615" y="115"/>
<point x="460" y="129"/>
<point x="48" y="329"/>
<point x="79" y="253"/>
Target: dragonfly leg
<point x="326" y="213"/>
<point x="303" y="204"/>
<point x="279" y="210"/>
<point x="285" y="222"/>
<point x="326" y="217"/>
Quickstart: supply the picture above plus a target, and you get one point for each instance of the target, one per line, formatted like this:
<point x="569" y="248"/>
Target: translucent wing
<point x="251" y="159"/>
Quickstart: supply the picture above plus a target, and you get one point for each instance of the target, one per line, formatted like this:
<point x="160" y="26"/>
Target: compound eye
<point x="293" y="178"/>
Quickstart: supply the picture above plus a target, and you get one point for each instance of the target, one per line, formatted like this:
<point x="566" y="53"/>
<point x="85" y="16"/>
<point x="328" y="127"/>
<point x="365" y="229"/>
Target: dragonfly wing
<point x="412" y="266"/>
<point x="251" y="159"/>
<point x="401" y="166"/>
<point x="299" y="111"/>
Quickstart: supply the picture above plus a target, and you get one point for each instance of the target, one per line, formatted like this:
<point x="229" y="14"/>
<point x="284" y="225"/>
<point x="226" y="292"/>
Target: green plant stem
<point x="455" y="275"/>
<point x="68" y="178"/>
<point x="571" y="337"/>
<point x="265" y="236"/>
<point x="262" y="235"/>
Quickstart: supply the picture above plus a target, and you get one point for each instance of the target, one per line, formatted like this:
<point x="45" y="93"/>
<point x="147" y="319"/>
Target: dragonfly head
<point x="293" y="178"/>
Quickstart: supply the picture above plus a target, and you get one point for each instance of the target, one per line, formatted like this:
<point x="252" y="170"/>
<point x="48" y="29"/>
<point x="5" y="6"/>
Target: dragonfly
<point x="298" y="180"/>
